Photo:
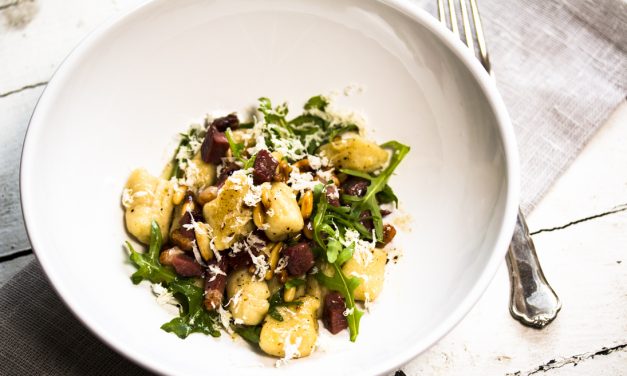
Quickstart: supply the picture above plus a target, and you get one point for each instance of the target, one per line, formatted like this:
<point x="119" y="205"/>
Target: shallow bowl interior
<point x="119" y="100"/>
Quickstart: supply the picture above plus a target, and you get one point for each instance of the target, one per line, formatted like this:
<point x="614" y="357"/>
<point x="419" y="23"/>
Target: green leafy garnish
<point x="187" y="147"/>
<point x="249" y="333"/>
<point x="237" y="148"/>
<point x="377" y="185"/>
<point x="305" y="133"/>
<point x="331" y="224"/>
<point x="294" y="282"/>
<point x="346" y="287"/>
<point x="148" y="266"/>
<point x="276" y="301"/>
<point x="193" y="317"/>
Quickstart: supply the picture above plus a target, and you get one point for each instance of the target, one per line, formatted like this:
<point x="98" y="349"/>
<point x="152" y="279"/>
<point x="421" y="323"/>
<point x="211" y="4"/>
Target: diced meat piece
<point x="385" y="213"/>
<point x="300" y="258"/>
<point x="226" y="171"/>
<point x="228" y="121"/>
<point x="181" y="238"/>
<point x="333" y="312"/>
<point x="333" y="196"/>
<point x="186" y="266"/>
<point x="265" y="167"/>
<point x="238" y="260"/>
<point x="389" y="232"/>
<point x="165" y="258"/>
<point x="214" y="146"/>
<point x="215" y="282"/>
<point x="184" y="235"/>
<point x="355" y="186"/>
<point x="366" y="219"/>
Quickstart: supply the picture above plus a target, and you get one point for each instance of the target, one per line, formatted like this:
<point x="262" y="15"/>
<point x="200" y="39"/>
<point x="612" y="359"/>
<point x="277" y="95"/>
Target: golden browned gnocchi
<point x="356" y="153"/>
<point x="282" y="213"/>
<point x="227" y="216"/>
<point x="248" y="298"/>
<point x="370" y="269"/>
<point x="147" y="198"/>
<point x="296" y="335"/>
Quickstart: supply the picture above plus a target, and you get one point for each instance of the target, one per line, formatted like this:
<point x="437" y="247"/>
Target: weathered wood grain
<point x="35" y="36"/>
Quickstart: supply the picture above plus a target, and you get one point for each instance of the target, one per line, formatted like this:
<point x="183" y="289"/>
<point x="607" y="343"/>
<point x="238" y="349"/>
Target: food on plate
<point x="263" y="228"/>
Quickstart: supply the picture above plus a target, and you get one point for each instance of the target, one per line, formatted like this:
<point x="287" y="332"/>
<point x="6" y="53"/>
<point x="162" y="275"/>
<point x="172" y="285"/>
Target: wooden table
<point x="580" y="226"/>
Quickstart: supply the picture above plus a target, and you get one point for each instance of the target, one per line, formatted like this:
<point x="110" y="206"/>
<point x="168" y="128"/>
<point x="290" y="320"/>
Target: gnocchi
<point x="370" y="269"/>
<point x="282" y="216"/>
<point x="355" y="153"/>
<point x="227" y="215"/>
<point x="147" y="198"/>
<point x="248" y="298"/>
<point x="296" y="335"/>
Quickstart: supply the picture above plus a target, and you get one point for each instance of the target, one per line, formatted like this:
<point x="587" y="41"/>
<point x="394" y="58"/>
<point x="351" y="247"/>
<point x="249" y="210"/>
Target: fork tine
<point x="441" y="12"/>
<point x="483" y="50"/>
<point x="466" y="23"/>
<point x="451" y="11"/>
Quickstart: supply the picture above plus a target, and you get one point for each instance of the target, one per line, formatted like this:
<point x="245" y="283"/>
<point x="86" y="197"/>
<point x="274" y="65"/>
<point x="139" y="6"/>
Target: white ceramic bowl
<point x="118" y="101"/>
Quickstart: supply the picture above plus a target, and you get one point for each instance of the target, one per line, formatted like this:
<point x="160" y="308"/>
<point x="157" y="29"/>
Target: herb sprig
<point x="308" y="131"/>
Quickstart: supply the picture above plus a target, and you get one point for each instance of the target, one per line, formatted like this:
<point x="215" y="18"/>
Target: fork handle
<point x="532" y="300"/>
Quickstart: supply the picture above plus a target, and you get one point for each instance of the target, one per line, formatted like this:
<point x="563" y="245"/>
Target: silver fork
<point x="533" y="301"/>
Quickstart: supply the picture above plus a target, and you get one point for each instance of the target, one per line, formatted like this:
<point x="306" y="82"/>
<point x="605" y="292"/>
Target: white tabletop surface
<point x="585" y="261"/>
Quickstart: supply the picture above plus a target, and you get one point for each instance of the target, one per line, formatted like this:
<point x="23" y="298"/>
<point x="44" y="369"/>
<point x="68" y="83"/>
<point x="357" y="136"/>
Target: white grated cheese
<point x="225" y="319"/>
<point x="235" y="299"/>
<point x="281" y="264"/>
<point x="290" y="349"/>
<point x="215" y="272"/>
<point x="253" y="196"/>
<point x="196" y="252"/>
<point x="348" y="311"/>
<point x="127" y="197"/>
<point x="164" y="296"/>
<point x="363" y="249"/>
<point x="301" y="182"/>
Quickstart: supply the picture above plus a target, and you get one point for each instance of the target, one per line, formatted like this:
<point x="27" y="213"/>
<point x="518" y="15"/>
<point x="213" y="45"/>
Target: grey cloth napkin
<point x="561" y="68"/>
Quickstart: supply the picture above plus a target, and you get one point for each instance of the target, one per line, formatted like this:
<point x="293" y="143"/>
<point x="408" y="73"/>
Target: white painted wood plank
<point x="15" y="110"/>
<point x="581" y="262"/>
<point x="34" y="38"/>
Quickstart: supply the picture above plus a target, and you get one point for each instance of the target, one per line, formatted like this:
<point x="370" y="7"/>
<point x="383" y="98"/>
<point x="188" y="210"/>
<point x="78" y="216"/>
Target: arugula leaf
<point x="294" y="282"/>
<point x="387" y="195"/>
<point x="193" y="317"/>
<point x="334" y="247"/>
<point x="377" y="185"/>
<point x="236" y="148"/>
<point x="148" y="266"/>
<point x="346" y="287"/>
<point x="184" y="151"/>
<point x="276" y="301"/>
<point x="318" y="102"/>
<point x="249" y="333"/>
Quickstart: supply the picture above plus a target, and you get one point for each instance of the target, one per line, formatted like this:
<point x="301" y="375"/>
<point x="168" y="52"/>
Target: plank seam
<point x="616" y="209"/>
<point x="27" y="87"/>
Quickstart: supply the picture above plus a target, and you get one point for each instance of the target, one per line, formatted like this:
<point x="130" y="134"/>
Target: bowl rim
<point x="419" y="16"/>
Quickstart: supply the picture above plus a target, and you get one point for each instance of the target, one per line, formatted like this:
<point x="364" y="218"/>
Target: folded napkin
<point x="561" y="68"/>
